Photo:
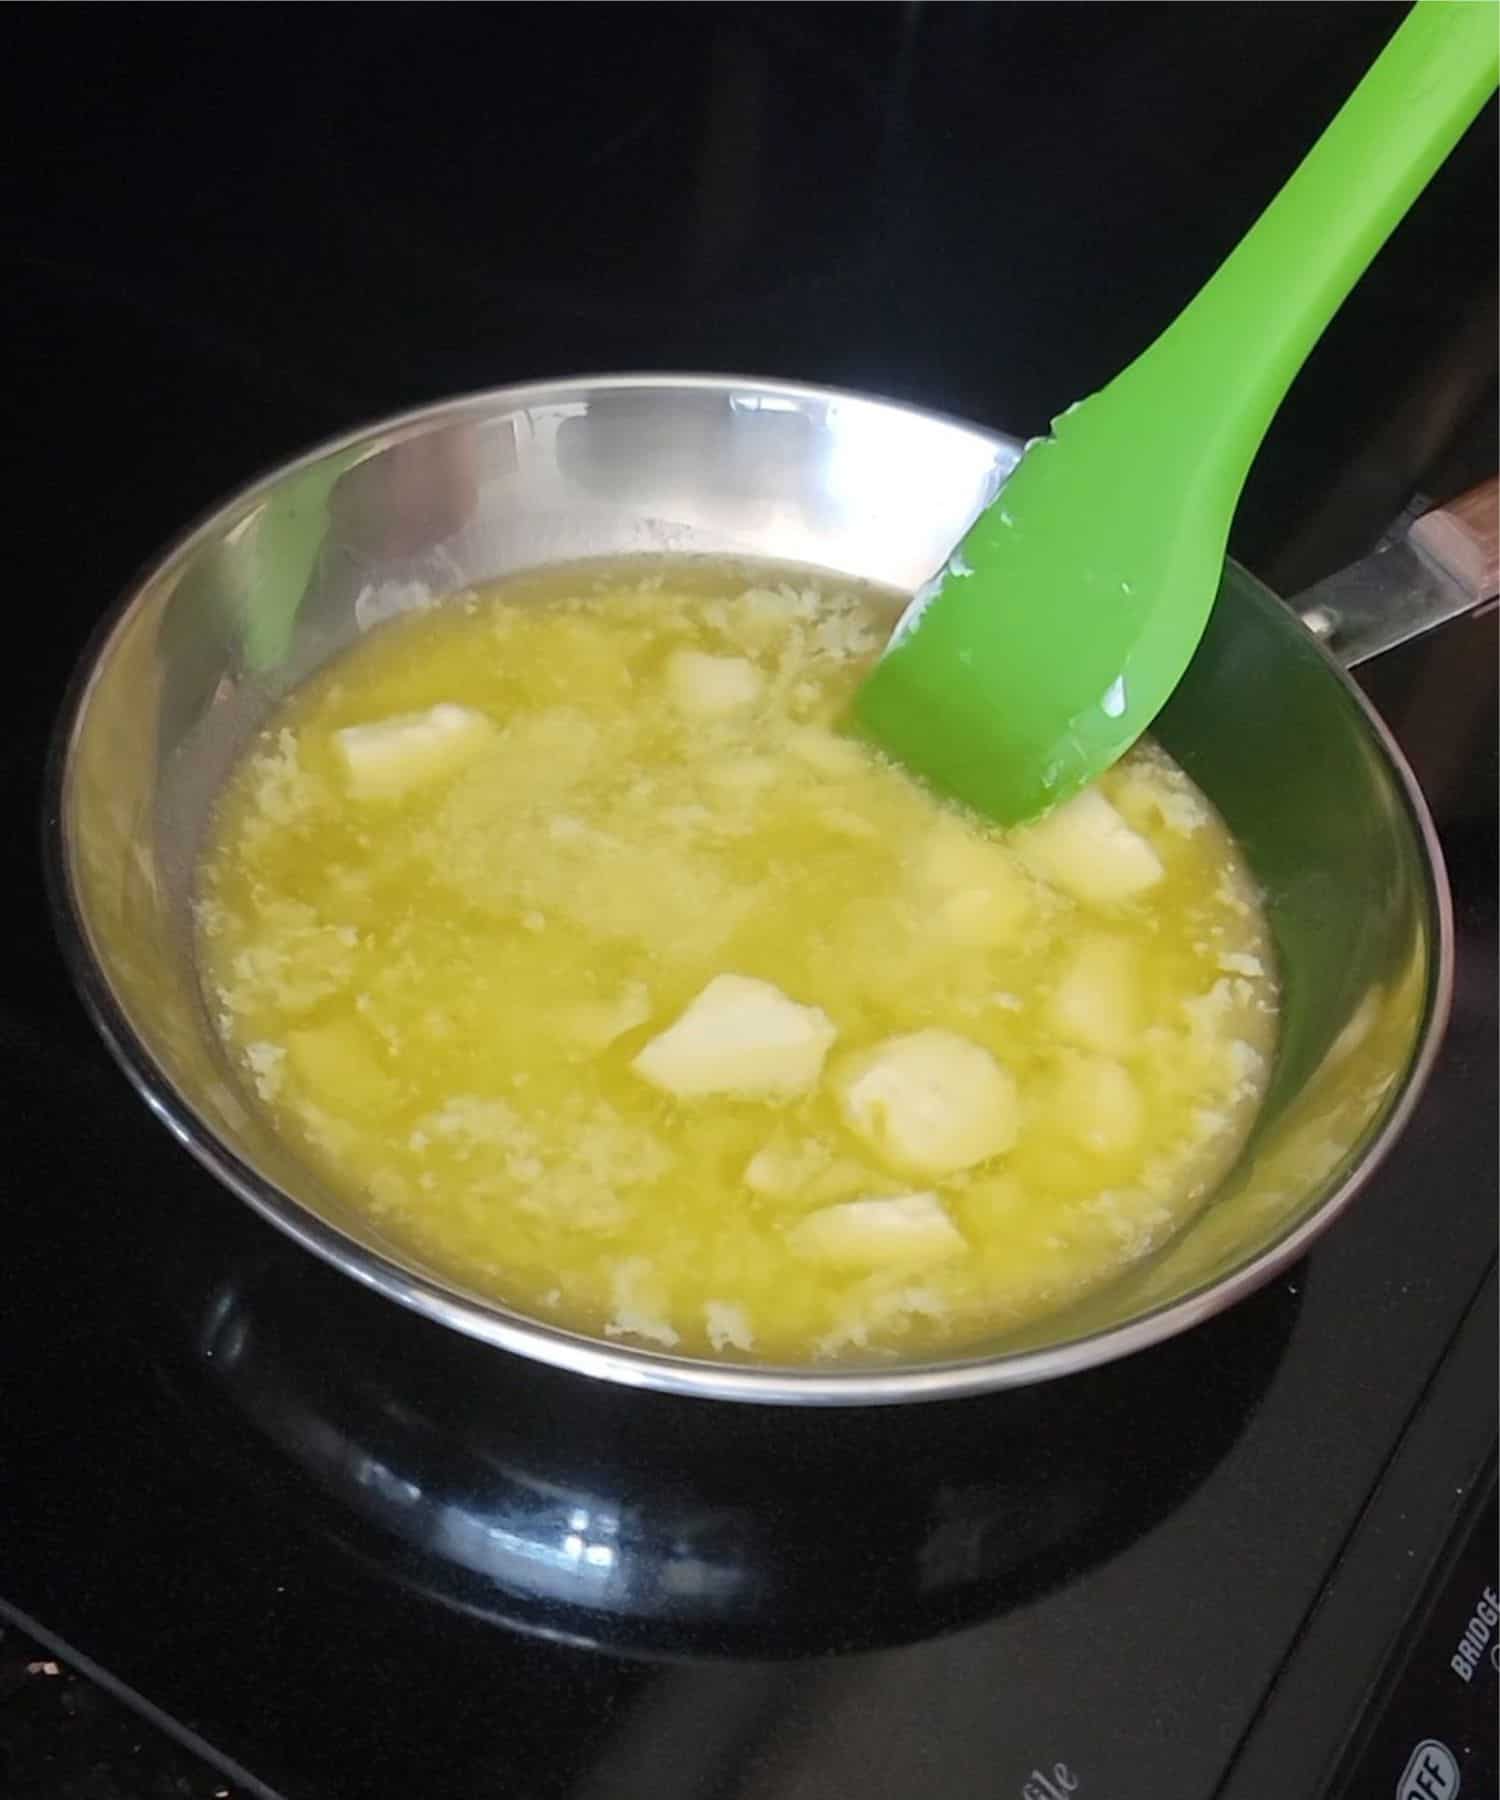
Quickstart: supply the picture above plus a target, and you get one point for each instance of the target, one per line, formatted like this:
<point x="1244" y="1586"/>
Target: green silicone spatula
<point x="1070" y="610"/>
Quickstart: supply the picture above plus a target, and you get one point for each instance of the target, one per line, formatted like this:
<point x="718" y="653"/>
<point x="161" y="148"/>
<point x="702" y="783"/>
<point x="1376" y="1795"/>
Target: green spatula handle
<point x="1058" y="631"/>
<point x="1226" y="359"/>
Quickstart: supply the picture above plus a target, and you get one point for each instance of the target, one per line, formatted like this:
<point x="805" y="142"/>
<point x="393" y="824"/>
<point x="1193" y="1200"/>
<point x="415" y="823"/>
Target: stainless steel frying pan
<point x="294" y="567"/>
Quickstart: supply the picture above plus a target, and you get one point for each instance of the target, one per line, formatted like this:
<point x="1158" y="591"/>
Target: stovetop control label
<point x="1431" y="1773"/>
<point x="1435" y="1734"/>
<point x="1478" y="1637"/>
<point x="1058" y="1783"/>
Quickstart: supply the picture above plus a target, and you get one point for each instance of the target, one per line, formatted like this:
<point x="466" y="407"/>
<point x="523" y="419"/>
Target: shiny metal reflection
<point x="530" y="1497"/>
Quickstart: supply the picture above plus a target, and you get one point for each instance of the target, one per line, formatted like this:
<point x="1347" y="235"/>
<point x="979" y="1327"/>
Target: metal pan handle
<point x="1447" y="564"/>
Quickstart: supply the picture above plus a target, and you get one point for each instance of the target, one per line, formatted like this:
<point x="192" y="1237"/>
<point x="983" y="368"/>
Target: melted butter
<point x="437" y="971"/>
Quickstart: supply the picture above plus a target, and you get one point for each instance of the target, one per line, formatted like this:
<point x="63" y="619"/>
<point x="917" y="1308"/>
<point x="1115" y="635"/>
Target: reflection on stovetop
<point x="658" y="1526"/>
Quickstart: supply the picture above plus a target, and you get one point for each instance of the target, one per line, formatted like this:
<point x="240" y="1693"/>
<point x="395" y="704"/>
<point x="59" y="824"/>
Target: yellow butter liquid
<point x="438" y="991"/>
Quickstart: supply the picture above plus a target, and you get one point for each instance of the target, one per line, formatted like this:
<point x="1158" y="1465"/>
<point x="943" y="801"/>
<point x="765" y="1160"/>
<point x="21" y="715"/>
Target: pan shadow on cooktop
<point x="660" y="1527"/>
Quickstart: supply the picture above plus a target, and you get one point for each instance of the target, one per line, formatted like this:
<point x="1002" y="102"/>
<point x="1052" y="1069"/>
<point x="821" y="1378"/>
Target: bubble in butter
<point x="562" y="931"/>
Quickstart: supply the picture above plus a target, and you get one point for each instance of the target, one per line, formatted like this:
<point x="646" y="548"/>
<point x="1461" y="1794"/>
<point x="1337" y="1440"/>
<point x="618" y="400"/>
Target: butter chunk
<point x="742" y="1037"/>
<point x="908" y="1230"/>
<point x="1096" y="1003"/>
<point x="1098" y="1105"/>
<point x="389" y="757"/>
<point x="1086" y="849"/>
<point x="930" y="1102"/>
<point x="780" y="1169"/>
<point x="705" y="686"/>
<point x="981" y="895"/>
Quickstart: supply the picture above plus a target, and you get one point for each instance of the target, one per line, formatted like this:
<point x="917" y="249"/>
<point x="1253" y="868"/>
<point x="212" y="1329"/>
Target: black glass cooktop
<point x="348" y="1555"/>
